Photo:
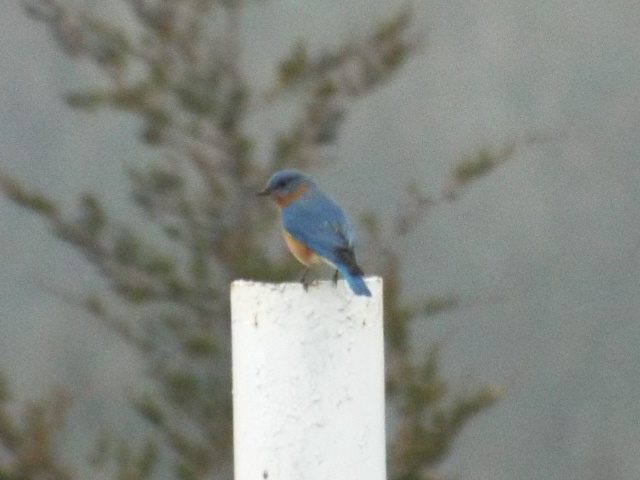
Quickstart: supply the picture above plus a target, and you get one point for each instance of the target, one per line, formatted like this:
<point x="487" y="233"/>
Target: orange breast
<point x="303" y="254"/>
<point x="287" y="199"/>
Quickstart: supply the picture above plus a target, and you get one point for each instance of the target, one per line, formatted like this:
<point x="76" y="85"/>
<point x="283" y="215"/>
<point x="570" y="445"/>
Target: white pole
<point x="308" y="382"/>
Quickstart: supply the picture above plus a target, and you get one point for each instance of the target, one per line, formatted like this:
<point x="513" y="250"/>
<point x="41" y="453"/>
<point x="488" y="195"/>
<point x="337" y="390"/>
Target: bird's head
<point x="287" y="185"/>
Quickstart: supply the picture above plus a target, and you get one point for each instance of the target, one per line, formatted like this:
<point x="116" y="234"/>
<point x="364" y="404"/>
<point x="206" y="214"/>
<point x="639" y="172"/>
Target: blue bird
<point x="315" y="228"/>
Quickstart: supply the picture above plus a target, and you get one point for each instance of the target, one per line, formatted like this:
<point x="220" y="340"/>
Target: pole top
<point x="317" y="289"/>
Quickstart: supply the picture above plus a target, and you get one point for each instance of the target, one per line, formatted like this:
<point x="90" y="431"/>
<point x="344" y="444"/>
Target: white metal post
<point x="308" y="382"/>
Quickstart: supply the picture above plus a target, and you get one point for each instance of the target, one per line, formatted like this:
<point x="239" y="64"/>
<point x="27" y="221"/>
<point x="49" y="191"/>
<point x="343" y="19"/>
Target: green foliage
<point x="31" y="441"/>
<point x="130" y="462"/>
<point x="482" y="162"/>
<point x="199" y="227"/>
<point x="35" y="201"/>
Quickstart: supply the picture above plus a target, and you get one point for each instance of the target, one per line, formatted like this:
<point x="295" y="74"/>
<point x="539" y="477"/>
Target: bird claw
<point x="305" y="283"/>
<point x="303" y="280"/>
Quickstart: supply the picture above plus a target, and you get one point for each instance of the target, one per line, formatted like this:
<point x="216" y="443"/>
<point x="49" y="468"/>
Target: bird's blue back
<point x="318" y="222"/>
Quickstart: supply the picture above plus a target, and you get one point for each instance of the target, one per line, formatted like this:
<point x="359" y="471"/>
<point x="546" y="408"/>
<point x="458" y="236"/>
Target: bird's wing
<point x="320" y="225"/>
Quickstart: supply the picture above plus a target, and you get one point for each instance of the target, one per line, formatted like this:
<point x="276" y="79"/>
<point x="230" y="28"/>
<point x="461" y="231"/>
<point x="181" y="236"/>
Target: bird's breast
<point x="303" y="254"/>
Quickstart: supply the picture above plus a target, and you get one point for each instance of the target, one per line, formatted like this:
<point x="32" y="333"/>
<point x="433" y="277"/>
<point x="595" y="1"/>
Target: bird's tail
<point x="356" y="282"/>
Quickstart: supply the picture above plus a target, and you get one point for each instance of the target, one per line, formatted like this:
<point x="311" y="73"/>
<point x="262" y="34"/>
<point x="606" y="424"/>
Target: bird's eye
<point x="282" y="183"/>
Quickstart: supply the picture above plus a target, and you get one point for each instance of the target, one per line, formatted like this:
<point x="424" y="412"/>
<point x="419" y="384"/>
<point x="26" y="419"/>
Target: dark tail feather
<point x="347" y="257"/>
<point x="351" y="272"/>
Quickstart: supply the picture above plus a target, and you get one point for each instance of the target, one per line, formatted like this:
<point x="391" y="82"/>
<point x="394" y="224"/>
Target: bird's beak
<point x="264" y="192"/>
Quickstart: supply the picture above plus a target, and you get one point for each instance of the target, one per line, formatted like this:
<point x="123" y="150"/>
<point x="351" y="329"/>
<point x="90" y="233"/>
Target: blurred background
<point x="543" y="252"/>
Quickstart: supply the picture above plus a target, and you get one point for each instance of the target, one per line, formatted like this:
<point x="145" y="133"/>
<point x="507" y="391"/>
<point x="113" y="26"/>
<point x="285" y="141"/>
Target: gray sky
<point x="545" y="250"/>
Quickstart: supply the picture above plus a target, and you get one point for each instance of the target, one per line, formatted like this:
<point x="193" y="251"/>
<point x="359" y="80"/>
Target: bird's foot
<point x="335" y="278"/>
<point x="304" y="281"/>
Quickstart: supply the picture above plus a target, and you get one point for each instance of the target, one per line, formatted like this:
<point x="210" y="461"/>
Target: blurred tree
<point x="30" y="442"/>
<point x="178" y="68"/>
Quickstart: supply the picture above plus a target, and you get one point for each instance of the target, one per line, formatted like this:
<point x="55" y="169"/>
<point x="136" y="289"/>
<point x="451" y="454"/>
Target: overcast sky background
<point x="545" y="251"/>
